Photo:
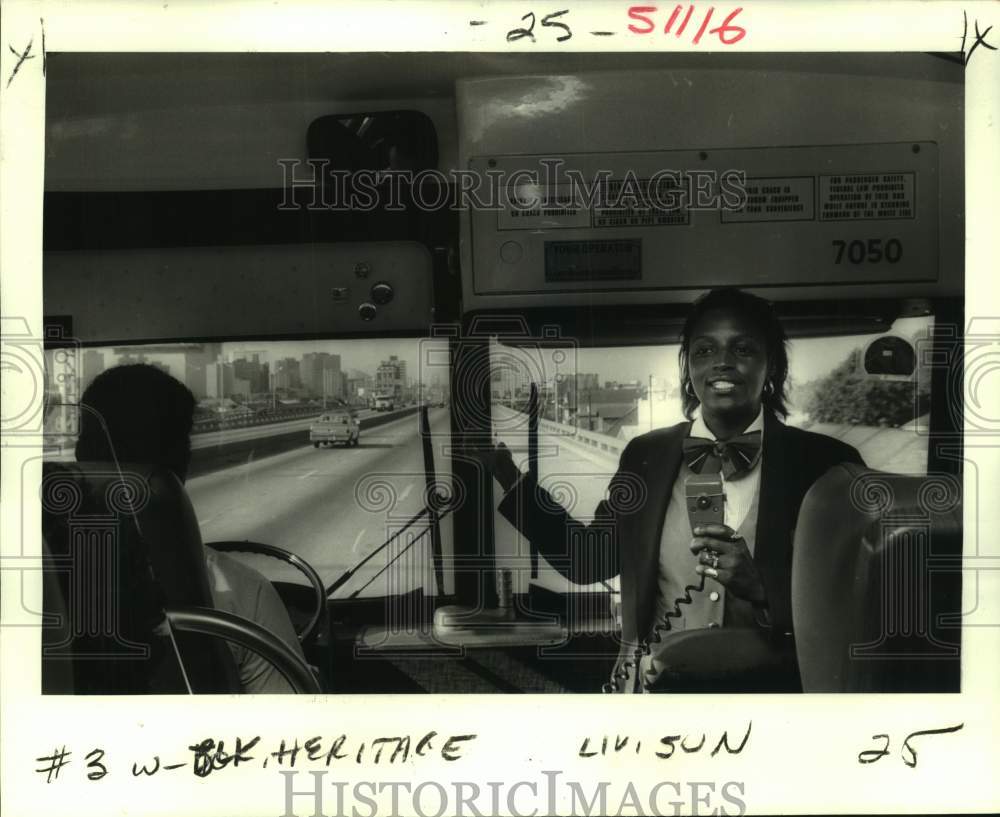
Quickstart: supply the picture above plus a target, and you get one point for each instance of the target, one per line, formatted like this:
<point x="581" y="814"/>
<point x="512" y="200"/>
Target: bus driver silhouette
<point x="138" y="413"/>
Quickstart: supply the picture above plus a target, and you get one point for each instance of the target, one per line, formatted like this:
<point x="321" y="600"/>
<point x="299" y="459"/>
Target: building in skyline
<point x="334" y="384"/>
<point x="197" y="357"/>
<point x="287" y="374"/>
<point x="573" y="384"/>
<point x="166" y="359"/>
<point x="223" y="382"/>
<point x="358" y="385"/>
<point x="251" y="369"/>
<point x="625" y="384"/>
<point x="320" y="373"/>
<point x="391" y="377"/>
<point x="187" y="362"/>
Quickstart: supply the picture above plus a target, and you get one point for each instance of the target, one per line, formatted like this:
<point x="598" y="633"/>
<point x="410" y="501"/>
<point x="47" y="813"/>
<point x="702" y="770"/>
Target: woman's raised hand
<point x="498" y="460"/>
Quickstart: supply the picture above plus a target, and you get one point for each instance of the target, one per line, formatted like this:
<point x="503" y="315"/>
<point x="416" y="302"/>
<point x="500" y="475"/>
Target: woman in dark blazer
<point x="733" y="367"/>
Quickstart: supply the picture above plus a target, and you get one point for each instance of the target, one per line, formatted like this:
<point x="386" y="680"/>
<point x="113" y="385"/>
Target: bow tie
<point x="733" y="457"/>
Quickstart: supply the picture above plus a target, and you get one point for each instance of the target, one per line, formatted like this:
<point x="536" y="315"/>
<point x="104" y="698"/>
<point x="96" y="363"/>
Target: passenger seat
<point x="876" y="582"/>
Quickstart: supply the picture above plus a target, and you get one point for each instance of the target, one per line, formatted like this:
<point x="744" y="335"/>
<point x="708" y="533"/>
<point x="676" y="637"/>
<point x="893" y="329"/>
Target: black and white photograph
<point x="439" y="431"/>
<point x="394" y="379"/>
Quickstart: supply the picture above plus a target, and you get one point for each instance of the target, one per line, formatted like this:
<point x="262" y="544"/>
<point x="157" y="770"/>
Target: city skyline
<point x="344" y="362"/>
<point x="213" y="371"/>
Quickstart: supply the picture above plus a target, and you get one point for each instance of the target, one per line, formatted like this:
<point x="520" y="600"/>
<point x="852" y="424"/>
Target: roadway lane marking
<point x="312" y="509"/>
<point x="357" y="540"/>
<point x="406" y="492"/>
<point x="244" y="470"/>
<point x="309" y="474"/>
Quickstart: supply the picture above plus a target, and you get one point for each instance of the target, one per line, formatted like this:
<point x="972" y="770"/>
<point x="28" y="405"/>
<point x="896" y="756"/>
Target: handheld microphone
<point x="705" y="499"/>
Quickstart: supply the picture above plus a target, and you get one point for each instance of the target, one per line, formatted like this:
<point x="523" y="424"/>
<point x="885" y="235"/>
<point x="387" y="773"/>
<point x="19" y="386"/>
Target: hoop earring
<point x="769" y="388"/>
<point x="688" y="388"/>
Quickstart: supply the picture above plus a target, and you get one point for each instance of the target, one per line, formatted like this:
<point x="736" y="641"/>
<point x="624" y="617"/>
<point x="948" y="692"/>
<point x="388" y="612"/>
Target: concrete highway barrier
<point x="227" y="448"/>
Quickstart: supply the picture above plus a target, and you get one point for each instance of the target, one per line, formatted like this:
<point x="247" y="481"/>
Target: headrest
<point x="123" y="543"/>
<point x="875" y="575"/>
<point x="150" y="505"/>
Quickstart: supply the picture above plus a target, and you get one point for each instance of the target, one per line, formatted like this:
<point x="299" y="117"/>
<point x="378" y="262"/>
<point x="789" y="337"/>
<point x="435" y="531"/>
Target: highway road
<point x="577" y="477"/>
<point x="332" y="506"/>
<point x="335" y="506"/>
<point x="207" y="439"/>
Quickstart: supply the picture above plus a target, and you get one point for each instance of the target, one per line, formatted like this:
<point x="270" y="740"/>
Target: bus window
<point x="592" y="401"/>
<point x="256" y="476"/>
<point x="887" y="421"/>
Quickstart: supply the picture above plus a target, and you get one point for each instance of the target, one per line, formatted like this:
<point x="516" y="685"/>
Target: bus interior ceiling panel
<point x="833" y="134"/>
<point x="291" y="290"/>
<point x="162" y="121"/>
<point x="188" y="138"/>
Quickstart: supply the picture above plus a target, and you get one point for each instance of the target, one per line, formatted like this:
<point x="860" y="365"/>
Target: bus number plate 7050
<point x="868" y="251"/>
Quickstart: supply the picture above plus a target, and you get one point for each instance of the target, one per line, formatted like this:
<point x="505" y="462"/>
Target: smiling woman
<point x="732" y="359"/>
<point x="733" y="367"/>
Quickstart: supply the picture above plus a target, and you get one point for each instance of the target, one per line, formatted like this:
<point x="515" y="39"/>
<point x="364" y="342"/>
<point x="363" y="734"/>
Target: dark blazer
<point x="624" y="537"/>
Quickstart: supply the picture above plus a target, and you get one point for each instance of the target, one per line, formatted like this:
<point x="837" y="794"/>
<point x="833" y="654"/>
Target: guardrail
<point x="382" y="417"/>
<point x="205" y="426"/>
<point x="612" y="446"/>
<point x="234" y="446"/>
<point x="267" y="417"/>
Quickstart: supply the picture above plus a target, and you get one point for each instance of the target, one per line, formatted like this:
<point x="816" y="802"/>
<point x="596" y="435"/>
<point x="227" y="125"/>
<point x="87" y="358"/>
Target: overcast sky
<point x="809" y="357"/>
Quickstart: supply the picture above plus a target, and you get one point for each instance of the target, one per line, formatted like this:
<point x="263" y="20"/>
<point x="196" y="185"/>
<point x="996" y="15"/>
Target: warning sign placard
<point x="867" y="196"/>
<point x="654" y="222"/>
<point x="775" y="199"/>
<point x="627" y="202"/>
<point x="635" y="202"/>
<point x="543" y="208"/>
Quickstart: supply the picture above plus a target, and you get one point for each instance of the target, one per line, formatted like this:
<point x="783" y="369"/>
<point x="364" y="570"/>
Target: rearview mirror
<point x="890" y="357"/>
<point x="376" y="141"/>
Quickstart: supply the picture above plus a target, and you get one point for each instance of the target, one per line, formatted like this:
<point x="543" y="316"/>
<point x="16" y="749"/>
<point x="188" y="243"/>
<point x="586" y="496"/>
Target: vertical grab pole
<point x="533" y="461"/>
<point x="431" y="499"/>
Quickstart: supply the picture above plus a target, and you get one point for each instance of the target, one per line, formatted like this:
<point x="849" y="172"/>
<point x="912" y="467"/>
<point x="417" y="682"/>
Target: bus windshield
<point x="254" y="474"/>
<point x="592" y="401"/>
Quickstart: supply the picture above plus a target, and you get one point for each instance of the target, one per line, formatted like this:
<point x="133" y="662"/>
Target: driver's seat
<point x="123" y="544"/>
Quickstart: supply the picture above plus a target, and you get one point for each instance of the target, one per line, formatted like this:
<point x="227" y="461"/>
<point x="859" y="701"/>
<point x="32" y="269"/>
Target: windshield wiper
<point x="434" y="508"/>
